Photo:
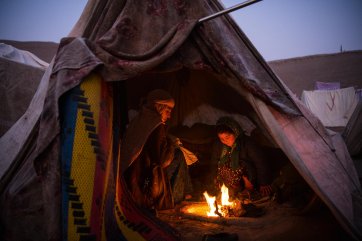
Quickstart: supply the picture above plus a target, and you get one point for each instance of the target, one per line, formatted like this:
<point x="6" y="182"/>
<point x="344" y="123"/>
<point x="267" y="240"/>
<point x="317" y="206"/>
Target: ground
<point x="279" y="223"/>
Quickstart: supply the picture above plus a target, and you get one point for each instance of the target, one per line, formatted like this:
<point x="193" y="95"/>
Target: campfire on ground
<point x="224" y="207"/>
<point x="221" y="206"/>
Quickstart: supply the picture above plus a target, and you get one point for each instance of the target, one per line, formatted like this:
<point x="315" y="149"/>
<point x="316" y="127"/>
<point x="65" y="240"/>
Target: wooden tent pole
<point x="228" y="10"/>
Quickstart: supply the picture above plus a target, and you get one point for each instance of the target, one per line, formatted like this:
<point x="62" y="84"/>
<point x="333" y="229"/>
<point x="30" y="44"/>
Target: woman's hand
<point x="175" y="140"/>
<point x="247" y="183"/>
<point x="265" y="190"/>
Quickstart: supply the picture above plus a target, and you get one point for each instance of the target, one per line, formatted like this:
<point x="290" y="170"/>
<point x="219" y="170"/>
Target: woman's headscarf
<point x="230" y="154"/>
<point x="159" y="96"/>
<point x="231" y="123"/>
<point x="142" y="126"/>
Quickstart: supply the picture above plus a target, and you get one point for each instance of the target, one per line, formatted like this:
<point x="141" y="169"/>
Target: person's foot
<point x="188" y="197"/>
<point x="220" y="237"/>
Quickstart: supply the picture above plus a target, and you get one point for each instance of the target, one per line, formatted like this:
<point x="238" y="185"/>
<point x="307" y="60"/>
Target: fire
<point x="211" y="202"/>
<point x="214" y="207"/>
<point x="225" y="196"/>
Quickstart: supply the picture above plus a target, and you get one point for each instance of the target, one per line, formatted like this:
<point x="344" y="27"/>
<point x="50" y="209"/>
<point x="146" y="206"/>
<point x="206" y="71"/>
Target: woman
<point x="240" y="162"/>
<point x="146" y="152"/>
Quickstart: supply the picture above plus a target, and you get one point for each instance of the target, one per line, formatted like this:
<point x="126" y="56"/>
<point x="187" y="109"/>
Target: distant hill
<point x="297" y="73"/>
<point x="43" y="50"/>
<point x="301" y="73"/>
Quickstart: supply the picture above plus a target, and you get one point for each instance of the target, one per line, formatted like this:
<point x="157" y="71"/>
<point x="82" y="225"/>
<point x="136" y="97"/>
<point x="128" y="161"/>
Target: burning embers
<point x="225" y="208"/>
<point x="222" y="209"/>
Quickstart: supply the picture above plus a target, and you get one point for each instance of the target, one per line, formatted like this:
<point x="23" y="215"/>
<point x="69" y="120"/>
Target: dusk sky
<point x="279" y="29"/>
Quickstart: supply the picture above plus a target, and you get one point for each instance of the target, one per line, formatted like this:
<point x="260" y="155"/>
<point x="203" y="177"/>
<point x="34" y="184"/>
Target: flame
<point x="225" y="196"/>
<point x="224" y="201"/>
<point x="211" y="203"/>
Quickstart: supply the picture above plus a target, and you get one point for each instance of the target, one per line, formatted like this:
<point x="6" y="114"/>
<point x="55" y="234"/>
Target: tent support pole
<point x="228" y="10"/>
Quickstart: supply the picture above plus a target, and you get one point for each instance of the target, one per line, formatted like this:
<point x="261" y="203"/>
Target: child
<point x="240" y="162"/>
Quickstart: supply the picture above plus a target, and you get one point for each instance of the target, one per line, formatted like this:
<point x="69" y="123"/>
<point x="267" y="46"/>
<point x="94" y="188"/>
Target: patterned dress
<point x="231" y="169"/>
<point x="246" y="159"/>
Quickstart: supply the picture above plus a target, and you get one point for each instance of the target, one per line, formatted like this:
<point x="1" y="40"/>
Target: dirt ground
<point x="280" y="223"/>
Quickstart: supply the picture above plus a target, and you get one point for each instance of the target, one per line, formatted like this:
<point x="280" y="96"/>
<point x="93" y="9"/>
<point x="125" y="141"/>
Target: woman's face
<point x="166" y="114"/>
<point x="227" y="138"/>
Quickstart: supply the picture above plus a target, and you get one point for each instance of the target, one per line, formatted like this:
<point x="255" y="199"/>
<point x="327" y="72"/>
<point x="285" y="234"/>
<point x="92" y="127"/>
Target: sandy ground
<point x="279" y="223"/>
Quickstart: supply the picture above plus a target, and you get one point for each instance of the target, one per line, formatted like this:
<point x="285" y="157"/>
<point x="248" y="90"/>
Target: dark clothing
<point x="245" y="158"/>
<point x="179" y="177"/>
<point x="146" y="177"/>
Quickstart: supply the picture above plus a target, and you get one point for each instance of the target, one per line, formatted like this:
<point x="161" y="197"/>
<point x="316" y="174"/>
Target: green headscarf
<point x="230" y="153"/>
<point x="231" y="123"/>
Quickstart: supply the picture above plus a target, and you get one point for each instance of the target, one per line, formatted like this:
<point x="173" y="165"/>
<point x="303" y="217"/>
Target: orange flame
<point x="210" y="201"/>
<point x="224" y="201"/>
<point x="225" y="196"/>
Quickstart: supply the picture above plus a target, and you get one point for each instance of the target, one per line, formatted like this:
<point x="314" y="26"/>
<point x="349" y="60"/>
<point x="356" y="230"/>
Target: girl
<point x="240" y="162"/>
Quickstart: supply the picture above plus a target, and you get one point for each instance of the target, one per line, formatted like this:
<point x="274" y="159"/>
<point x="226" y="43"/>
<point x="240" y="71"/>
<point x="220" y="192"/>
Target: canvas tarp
<point x="21" y="56"/>
<point x="149" y="45"/>
<point x="327" y="85"/>
<point x="353" y="131"/>
<point x="333" y="107"/>
<point x="20" y="74"/>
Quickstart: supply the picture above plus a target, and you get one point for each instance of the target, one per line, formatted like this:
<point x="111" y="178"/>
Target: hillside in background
<point x="298" y="73"/>
<point x="302" y="73"/>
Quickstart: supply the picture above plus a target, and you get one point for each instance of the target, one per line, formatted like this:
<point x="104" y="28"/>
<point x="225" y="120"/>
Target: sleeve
<point x="161" y="148"/>
<point x="259" y="161"/>
<point x="214" y="162"/>
<point x="215" y="153"/>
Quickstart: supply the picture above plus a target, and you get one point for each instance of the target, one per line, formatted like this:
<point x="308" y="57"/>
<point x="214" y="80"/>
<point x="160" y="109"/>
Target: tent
<point x="20" y="74"/>
<point x="333" y="107"/>
<point x="307" y="72"/>
<point x="117" y="52"/>
<point x="21" y="56"/>
<point x="353" y="131"/>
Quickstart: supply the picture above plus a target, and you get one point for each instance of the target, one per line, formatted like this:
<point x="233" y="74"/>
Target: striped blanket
<point x="95" y="202"/>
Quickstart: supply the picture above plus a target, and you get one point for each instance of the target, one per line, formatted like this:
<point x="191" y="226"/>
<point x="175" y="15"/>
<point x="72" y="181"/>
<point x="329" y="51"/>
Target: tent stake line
<point x="228" y="10"/>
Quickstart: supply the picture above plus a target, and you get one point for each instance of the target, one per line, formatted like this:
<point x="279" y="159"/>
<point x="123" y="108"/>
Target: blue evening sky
<point x="279" y="29"/>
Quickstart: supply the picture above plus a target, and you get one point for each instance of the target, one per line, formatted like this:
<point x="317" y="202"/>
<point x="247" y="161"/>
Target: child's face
<point x="227" y="138"/>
